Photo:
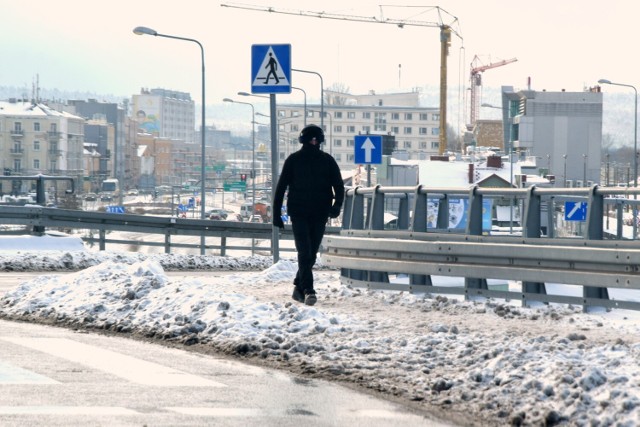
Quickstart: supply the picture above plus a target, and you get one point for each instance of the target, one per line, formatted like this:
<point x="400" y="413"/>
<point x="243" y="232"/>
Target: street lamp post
<point x="203" y="174"/>
<point x="564" y="156"/>
<point x="253" y="150"/>
<point x="321" y="93"/>
<point x="635" y="146"/>
<point x="305" y="102"/>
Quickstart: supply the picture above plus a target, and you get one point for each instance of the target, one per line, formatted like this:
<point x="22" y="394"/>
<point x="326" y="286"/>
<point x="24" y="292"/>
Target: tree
<point x="332" y="95"/>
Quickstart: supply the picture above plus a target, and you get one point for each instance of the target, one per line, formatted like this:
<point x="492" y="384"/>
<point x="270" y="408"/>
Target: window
<point x="408" y="116"/>
<point x="294" y="128"/>
<point x="282" y="113"/>
<point x="309" y="113"/>
<point x="36" y="163"/>
<point x="350" y="158"/>
<point x="351" y="129"/>
<point x="17" y="165"/>
<point x="380" y="121"/>
<point x="423" y="131"/>
<point x="36" y="145"/>
<point x="295" y="114"/>
<point x="395" y="129"/>
<point x="17" y="126"/>
<point x="407" y="130"/>
<point x="351" y="114"/>
<point x="366" y="115"/>
<point x="36" y="126"/>
<point x="53" y="127"/>
<point x="338" y="157"/>
<point x="423" y="145"/>
<point x="395" y="116"/>
<point x="424" y="116"/>
<point x="337" y="128"/>
<point x="337" y="114"/>
<point x="435" y="117"/>
<point x="435" y="145"/>
<point x="337" y="143"/>
<point x="435" y="131"/>
<point x="350" y="142"/>
<point x="406" y="145"/>
<point x="366" y="129"/>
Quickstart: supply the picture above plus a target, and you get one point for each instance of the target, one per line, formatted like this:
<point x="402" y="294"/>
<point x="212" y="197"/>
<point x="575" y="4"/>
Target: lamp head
<point x="244" y="94"/>
<point x="604" y="82"/>
<point x="227" y="100"/>
<point x="144" y="30"/>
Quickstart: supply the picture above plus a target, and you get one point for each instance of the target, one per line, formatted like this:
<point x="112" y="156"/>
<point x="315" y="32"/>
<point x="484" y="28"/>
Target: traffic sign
<point x="271" y="68"/>
<point x="235" y="186"/>
<point x="575" y="211"/>
<point x="368" y="150"/>
<point x="191" y="203"/>
<point x="182" y="208"/>
<point x="115" y="209"/>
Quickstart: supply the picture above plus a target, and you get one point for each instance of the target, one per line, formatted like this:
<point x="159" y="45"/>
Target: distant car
<point x="132" y="192"/>
<point x="255" y="218"/>
<point x="91" y="197"/>
<point x="218" y="214"/>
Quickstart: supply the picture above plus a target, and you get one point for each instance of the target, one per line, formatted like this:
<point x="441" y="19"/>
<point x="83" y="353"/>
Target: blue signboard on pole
<point x="115" y="209"/>
<point x="271" y="68"/>
<point x="368" y="150"/>
<point x="575" y="211"/>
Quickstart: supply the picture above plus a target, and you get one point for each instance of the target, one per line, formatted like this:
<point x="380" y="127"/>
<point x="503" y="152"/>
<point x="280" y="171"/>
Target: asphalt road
<point x="59" y="377"/>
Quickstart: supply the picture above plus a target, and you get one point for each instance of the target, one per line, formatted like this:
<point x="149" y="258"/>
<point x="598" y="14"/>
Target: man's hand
<point x="334" y="212"/>
<point x="277" y="221"/>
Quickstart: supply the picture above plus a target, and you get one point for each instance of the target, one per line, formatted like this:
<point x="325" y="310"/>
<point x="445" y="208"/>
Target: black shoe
<point x="310" y="298"/>
<point x="297" y="295"/>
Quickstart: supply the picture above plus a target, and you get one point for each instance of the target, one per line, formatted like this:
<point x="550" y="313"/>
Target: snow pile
<point x="476" y="362"/>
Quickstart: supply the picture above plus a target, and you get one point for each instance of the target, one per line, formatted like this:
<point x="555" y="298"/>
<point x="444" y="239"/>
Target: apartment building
<point x="165" y="113"/>
<point x="36" y="139"/>
<point x="415" y="128"/>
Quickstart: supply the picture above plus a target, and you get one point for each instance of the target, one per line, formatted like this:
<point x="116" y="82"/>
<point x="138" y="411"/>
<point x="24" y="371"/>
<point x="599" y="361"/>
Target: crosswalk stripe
<point x="218" y="412"/>
<point x="66" y="410"/>
<point x="11" y="374"/>
<point x="123" y="366"/>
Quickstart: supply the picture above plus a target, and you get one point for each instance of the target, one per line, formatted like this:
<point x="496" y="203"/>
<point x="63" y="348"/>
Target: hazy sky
<point x="89" y="46"/>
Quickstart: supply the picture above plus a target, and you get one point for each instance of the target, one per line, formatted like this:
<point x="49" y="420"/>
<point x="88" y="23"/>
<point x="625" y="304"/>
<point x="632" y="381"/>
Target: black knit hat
<point x="309" y="132"/>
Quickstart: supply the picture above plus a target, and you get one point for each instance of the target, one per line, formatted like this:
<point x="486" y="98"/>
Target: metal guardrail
<point x="40" y="218"/>
<point x="369" y="255"/>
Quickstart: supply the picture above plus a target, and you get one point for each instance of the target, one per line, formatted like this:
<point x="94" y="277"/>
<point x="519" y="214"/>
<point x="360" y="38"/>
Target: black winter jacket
<point x="314" y="181"/>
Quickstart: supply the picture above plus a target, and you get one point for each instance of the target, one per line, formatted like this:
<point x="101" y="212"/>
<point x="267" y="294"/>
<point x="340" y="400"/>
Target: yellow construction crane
<point x="446" y="30"/>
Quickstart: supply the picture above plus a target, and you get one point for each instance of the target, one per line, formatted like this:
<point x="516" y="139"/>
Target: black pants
<point x="307" y="233"/>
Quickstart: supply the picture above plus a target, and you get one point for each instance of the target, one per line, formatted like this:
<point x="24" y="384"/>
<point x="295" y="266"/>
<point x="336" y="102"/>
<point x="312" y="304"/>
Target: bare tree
<point x="334" y="94"/>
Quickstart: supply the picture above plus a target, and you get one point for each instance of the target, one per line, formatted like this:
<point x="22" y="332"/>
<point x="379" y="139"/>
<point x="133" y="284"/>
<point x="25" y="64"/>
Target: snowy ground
<point x="475" y="363"/>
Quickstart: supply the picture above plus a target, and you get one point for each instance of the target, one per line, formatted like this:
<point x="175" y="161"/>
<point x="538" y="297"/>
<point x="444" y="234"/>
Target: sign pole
<point x="274" y="173"/>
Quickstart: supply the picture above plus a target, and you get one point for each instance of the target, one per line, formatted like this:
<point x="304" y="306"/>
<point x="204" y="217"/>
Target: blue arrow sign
<point x="368" y="150"/>
<point x="115" y="209"/>
<point x="575" y="211"/>
<point x="182" y="208"/>
<point x="271" y="68"/>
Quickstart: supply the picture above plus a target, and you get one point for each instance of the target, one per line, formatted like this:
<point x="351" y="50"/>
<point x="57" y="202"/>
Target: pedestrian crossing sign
<point x="271" y="68"/>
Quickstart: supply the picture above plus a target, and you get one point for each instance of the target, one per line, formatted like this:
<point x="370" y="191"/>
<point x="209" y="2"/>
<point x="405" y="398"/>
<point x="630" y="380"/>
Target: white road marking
<point x="66" y="410"/>
<point x="123" y="366"/>
<point x="218" y="412"/>
<point x="11" y="374"/>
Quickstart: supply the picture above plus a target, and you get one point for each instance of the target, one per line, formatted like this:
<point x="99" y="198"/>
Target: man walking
<point x="316" y="192"/>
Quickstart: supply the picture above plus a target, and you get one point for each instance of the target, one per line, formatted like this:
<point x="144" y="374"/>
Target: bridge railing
<point x="423" y="244"/>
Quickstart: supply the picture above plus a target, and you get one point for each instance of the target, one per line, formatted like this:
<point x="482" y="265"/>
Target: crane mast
<point x="446" y="30"/>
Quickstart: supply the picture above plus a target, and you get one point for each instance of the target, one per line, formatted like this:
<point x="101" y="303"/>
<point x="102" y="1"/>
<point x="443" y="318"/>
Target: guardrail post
<point x="403" y="213"/>
<point x="595" y="213"/>
<point x="532" y="224"/>
<point x="418" y="224"/>
<point x="356" y="223"/>
<point x="376" y="222"/>
<point x="167" y="242"/>
<point x="223" y="245"/>
<point x="102" y="244"/>
<point x="442" y="223"/>
<point x="551" y="211"/>
<point x="474" y="228"/>
<point x="619" y="219"/>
